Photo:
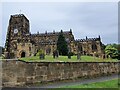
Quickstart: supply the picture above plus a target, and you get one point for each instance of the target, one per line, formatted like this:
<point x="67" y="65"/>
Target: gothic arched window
<point x="94" y="47"/>
<point x="48" y="50"/>
<point x="80" y="48"/>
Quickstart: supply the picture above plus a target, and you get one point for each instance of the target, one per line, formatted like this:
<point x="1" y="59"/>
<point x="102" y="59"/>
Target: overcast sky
<point x="85" y="19"/>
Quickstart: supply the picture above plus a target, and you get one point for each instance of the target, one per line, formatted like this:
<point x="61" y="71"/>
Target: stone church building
<point x="21" y="43"/>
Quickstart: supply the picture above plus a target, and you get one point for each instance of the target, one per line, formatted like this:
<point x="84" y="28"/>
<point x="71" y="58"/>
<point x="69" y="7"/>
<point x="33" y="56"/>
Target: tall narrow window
<point x="94" y="47"/>
<point x="80" y="48"/>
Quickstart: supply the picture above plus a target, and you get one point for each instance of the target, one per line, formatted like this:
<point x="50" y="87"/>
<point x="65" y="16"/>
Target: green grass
<point x="0" y="57"/>
<point x="65" y="59"/>
<point x="105" y="84"/>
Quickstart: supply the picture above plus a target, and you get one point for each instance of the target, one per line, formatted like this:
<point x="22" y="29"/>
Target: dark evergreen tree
<point x="62" y="46"/>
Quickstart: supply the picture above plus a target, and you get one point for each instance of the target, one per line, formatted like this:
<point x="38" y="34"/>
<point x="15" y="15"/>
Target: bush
<point x="71" y="53"/>
<point x="39" y="52"/>
<point x="112" y="51"/>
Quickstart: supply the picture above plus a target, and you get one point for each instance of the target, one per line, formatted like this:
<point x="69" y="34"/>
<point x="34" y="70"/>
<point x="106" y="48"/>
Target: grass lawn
<point x="105" y="84"/>
<point x="65" y="59"/>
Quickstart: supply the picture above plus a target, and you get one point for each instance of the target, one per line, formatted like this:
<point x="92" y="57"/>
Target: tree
<point x="62" y="46"/>
<point x="118" y="51"/>
<point x="112" y="51"/>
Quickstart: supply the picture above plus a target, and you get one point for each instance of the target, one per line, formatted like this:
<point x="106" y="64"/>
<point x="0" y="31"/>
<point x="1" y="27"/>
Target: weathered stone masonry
<point x="22" y="73"/>
<point x="20" y="42"/>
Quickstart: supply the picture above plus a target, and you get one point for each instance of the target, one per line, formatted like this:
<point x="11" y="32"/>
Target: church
<point x="21" y="43"/>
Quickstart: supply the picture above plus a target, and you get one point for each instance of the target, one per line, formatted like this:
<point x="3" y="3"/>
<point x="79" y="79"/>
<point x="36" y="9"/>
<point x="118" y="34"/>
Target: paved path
<point x="78" y="82"/>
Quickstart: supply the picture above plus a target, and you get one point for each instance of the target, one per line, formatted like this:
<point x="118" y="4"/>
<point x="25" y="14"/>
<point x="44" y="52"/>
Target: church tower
<point x="18" y="27"/>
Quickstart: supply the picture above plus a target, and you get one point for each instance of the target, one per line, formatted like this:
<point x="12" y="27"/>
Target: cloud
<point x="86" y="19"/>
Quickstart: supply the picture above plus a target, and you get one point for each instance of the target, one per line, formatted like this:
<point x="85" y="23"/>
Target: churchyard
<point x="48" y="57"/>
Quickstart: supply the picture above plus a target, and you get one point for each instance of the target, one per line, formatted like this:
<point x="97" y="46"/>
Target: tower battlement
<point x="19" y="16"/>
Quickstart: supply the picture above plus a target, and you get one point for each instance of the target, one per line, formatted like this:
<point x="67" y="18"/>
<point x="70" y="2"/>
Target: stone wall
<point x="28" y="48"/>
<point x="23" y="73"/>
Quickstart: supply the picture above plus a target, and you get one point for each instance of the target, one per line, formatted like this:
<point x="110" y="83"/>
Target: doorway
<point x="22" y="54"/>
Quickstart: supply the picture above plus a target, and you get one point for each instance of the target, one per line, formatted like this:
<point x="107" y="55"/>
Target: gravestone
<point x="42" y="56"/>
<point x="69" y="55"/>
<point x="55" y="54"/>
<point x="78" y="56"/>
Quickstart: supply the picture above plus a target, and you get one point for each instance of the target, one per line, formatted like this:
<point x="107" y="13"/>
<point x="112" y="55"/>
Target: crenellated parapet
<point x="88" y="39"/>
<point x="50" y="33"/>
<point x="19" y="16"/>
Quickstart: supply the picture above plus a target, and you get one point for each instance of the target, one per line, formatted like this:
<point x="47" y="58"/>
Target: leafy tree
<point x="118" y="51"/>
<point x="62" y="46"/>
<point x="112" y="51"/>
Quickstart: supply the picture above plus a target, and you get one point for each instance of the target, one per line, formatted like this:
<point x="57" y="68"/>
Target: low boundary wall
<point x="19" y="73"/>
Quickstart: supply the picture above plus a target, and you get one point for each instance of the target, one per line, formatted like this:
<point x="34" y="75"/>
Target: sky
<point x="84" y="18"/>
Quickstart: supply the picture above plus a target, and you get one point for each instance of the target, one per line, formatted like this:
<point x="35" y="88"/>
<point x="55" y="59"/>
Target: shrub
<point x="39" y="52"/>
<point x="71" y="53"/>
